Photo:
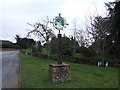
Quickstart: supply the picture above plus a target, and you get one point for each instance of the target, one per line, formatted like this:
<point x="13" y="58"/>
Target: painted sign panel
<point x="59" y="23"/>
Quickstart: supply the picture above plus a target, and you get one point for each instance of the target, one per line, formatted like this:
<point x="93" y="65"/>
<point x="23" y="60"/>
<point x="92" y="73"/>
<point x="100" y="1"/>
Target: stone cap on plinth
<point x="59" y="65"/>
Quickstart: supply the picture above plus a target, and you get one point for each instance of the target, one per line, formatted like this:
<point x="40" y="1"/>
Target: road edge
<point x="20" y="80"/>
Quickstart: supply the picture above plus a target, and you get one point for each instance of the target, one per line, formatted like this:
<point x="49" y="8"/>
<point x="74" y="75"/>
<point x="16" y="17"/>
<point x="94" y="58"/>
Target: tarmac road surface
<point x="10" y="69"/>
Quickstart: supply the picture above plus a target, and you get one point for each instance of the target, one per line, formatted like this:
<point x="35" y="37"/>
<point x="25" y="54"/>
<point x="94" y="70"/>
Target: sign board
<point x="59" y="22"/>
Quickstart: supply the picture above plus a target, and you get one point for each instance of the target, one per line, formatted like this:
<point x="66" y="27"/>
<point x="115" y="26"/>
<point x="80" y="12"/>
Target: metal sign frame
<point x="59" y="22"/>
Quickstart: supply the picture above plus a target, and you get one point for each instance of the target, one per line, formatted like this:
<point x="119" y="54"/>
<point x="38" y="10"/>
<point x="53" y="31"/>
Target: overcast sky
<point x="15" y="14"/>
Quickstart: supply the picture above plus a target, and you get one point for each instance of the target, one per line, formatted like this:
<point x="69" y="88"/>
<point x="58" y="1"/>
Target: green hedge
<point x="10" y="46"/>
<point x="89" y="61"/>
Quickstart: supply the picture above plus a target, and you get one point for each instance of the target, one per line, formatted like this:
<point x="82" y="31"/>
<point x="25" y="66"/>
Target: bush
<point x="78" y="55"/>
<point x="67" y="46"/>
<point x="44" y="52"/>
<point x="10" y="46"/>
<point x="67" y="58"/>
<point x="105" y="56"/>
<point x="87" y="52"/>
<point x="35" y="51"/>
<point x="54" y="56"/>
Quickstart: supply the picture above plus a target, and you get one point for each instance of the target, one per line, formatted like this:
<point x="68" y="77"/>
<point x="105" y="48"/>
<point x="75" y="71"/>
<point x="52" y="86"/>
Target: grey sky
<point x="15" y="14"/>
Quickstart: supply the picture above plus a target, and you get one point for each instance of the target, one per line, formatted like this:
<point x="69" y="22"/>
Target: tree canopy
<point x="24" y="43"/>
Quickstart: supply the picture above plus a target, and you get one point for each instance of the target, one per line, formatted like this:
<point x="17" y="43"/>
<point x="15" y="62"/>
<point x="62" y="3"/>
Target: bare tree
<point x="74" y="36"/>
<point x="100" y="30"/>
<point x="81" y="34"/>
<point x="43" y="31"/>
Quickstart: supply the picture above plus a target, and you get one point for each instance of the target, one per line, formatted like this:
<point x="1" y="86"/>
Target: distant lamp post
<point x="59" y="23"/>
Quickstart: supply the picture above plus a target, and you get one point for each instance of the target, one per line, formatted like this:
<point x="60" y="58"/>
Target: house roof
<point x="5" y="41"/>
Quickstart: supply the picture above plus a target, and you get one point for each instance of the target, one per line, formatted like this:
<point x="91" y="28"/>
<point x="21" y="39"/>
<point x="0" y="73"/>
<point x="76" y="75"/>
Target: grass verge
<point x="34" y="74"/>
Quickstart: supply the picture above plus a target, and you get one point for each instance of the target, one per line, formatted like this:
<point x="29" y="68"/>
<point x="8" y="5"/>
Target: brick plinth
<point x="59" y="73"/>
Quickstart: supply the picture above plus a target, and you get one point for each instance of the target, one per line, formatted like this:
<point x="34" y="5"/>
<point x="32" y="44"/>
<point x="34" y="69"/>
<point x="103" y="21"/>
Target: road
<point x="10" y="69"/>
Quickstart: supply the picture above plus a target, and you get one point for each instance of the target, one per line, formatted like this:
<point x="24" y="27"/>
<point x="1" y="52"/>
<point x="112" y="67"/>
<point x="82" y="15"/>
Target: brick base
<point x="59" y="73"/>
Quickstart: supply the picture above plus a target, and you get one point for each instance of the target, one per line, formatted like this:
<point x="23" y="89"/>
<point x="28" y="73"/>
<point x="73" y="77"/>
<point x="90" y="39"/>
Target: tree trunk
<point x="48" y="50"/>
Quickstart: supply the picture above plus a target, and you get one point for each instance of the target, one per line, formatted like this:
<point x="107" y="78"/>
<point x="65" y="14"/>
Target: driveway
<point x="10" y="69"/>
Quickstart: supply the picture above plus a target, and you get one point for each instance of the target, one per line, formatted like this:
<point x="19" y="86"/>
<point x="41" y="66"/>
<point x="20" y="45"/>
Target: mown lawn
<point x="34" y="74"/>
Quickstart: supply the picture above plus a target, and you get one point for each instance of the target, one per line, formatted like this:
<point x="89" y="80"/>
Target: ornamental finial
<point x="59" y="14"/>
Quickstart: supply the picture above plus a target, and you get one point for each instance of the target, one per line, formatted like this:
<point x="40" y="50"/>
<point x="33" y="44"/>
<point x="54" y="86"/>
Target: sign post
<point x="59" y="23"/>
<point x="59" y="49"/>
<point x="59" y="72"/>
